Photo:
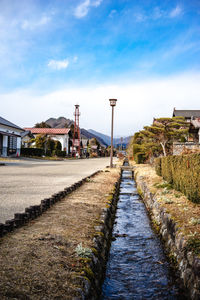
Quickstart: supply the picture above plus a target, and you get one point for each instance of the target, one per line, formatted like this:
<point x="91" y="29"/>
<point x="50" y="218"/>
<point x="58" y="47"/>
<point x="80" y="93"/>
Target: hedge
<point x="140" y="157"/>
<point x="32" y="152"/>
<point x="183" y="172"/>
<point x="59" y="153"/>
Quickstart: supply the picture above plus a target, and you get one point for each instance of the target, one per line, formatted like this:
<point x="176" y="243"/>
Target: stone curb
<point x="90" y="283"/>
<point x="188" y="263"/>
<point x="32" y="212"/>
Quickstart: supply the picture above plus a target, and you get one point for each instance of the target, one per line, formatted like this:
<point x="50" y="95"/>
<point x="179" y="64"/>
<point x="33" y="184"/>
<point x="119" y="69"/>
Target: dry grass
<point x="38" y="261"/>
<point x="185" y="213"/>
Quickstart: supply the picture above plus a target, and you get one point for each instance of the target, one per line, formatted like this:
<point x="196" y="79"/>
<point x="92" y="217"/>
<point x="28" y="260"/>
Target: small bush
<point x="93" y="155"/>
<point x="58" y="145"/>
<point x="140" y="157"/>
<point x="137" y="148"/>
<point x="48" y="153"/>
<point x="82" y="251"/>
<point x="32" y="152"/>
<point x="59" y="153"/>
<point x="158" y="166"/>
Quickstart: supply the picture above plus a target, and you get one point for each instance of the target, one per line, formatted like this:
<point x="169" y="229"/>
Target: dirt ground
<point x="39" y="260"/>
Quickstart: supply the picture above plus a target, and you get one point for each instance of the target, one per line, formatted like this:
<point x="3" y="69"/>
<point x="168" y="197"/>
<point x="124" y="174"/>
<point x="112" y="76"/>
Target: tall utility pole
<point x="121" y="143"/>
<point x="76" y="136"/>
<point x="112" y="104"/>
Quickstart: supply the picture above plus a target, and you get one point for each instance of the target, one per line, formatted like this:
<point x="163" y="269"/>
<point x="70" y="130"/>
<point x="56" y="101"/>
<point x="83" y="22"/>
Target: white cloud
<point x="177" y="11"/>
<point x="138" y="102"/>
<point x="157" y="13"/>
<point x="83" y="8"/>
<point x="112" y="13"/>
<point x="58" y="64"/>
<point x="139" y="17"/>
<point x="181" y="48"/>
<point x="75" y="59"/>
<point x="33" y="24"/>
<point x="96" y="3"/>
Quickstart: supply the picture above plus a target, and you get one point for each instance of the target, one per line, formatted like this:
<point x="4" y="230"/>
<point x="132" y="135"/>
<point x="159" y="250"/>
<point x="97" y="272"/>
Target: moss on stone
<point x="193" y="245"/>
<point x="94" y="251"/>
<point x="140" y="192"/>
<point x="156" y="225"/>
<point x="85" y="260"/>
<point x="107" y="205"/>
<point x="99" y="233"/>
<point x="88" y="273"/>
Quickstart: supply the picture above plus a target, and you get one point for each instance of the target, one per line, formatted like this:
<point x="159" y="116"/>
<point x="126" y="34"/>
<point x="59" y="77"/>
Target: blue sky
<point x="76" y="50"/>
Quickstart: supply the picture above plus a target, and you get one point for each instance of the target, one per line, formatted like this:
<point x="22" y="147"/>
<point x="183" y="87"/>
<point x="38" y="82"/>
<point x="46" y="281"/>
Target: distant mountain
<point x="107" y="139"/>
<point x="62" y="122"/>
<point x="125" y="140"/>
<point x="90" y="135"/>
<point x="104" y="137"/>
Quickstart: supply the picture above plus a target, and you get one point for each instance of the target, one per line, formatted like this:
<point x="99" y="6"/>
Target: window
<point x="12" y="144"/>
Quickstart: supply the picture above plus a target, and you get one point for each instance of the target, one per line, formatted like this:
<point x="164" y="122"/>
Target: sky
<point x="58" y="53"/>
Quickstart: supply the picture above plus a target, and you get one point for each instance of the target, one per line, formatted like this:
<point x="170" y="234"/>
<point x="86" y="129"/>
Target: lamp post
<point x="112" y="104"/>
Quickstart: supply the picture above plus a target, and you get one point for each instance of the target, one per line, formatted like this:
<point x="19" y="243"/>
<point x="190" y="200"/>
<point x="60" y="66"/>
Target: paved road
<point x="26" y="182"/>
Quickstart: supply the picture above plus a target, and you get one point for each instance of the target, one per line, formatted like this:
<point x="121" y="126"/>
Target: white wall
<point x="16" y="131"/>
<point x="63" y="139"/>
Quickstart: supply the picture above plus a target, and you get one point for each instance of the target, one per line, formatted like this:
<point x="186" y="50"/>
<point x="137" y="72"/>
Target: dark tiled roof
<point x="186" y="113"/>
<point x="25" y="133"/>
<point x="9" y="124"/>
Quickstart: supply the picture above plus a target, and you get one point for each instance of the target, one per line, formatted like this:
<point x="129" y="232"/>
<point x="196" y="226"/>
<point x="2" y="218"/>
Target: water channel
<point x="137" y="267"/>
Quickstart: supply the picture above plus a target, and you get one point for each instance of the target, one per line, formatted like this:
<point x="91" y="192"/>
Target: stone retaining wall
<point x="90" y="279"/>
<point x="178" y="148"/>
<point x="187" y="262"/>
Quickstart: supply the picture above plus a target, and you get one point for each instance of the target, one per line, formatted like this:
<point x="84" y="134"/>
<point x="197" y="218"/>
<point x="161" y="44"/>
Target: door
<point x="1" y="143"/>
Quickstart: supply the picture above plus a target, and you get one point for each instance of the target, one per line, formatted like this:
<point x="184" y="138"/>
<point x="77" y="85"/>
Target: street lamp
<point x="112" y="104"/>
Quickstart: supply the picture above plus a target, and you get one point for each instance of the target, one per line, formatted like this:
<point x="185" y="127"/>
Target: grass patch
<point x="165" y="185"/>
<point x="193" y="245"/>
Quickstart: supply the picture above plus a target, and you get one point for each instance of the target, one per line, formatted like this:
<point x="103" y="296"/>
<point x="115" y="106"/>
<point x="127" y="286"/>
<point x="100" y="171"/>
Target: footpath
<point x="41" y="259"/>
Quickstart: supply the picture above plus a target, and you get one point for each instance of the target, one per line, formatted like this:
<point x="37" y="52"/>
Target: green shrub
<point x="137" y="148"/>
<point x="58" y="145"/>
<point x="48" y="152"/>
<point x="59" y="153"/>
<point x="50" y="144"/>
<point x="183" y="172"/>
<point x="32" y="152"/>
<point x="140" y="158"/>
<point x="158" y="166"/>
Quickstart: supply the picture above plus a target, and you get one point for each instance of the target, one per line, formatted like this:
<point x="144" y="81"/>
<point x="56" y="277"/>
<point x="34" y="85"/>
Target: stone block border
<point x="32" y="212"/>
<point x="187" y="262"/>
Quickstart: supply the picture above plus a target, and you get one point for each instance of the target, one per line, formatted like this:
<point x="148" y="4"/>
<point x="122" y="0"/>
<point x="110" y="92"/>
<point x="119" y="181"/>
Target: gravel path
<point x="26" y="182"/>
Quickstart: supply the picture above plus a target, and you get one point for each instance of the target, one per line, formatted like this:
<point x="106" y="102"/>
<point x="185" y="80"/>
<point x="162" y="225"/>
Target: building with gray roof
<point x="10" y="138"/>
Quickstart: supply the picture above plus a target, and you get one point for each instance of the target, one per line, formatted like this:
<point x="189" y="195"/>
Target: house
<point x="193" y="117"/>
<point x="193" y="139"/>
<point x="27" y="137"/>
<point x="10" y="138"/>
<point x="59" y="134"/>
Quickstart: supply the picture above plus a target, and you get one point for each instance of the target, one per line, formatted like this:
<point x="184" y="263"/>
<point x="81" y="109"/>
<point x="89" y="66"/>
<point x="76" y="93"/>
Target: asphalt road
<point x="26" y="182"/>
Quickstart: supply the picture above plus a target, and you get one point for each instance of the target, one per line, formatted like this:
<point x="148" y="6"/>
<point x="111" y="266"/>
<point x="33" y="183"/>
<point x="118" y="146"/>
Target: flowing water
<point x="137" y="267"/>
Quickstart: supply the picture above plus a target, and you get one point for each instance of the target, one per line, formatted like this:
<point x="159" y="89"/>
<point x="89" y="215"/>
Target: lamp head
<point x="113" y="102"/>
